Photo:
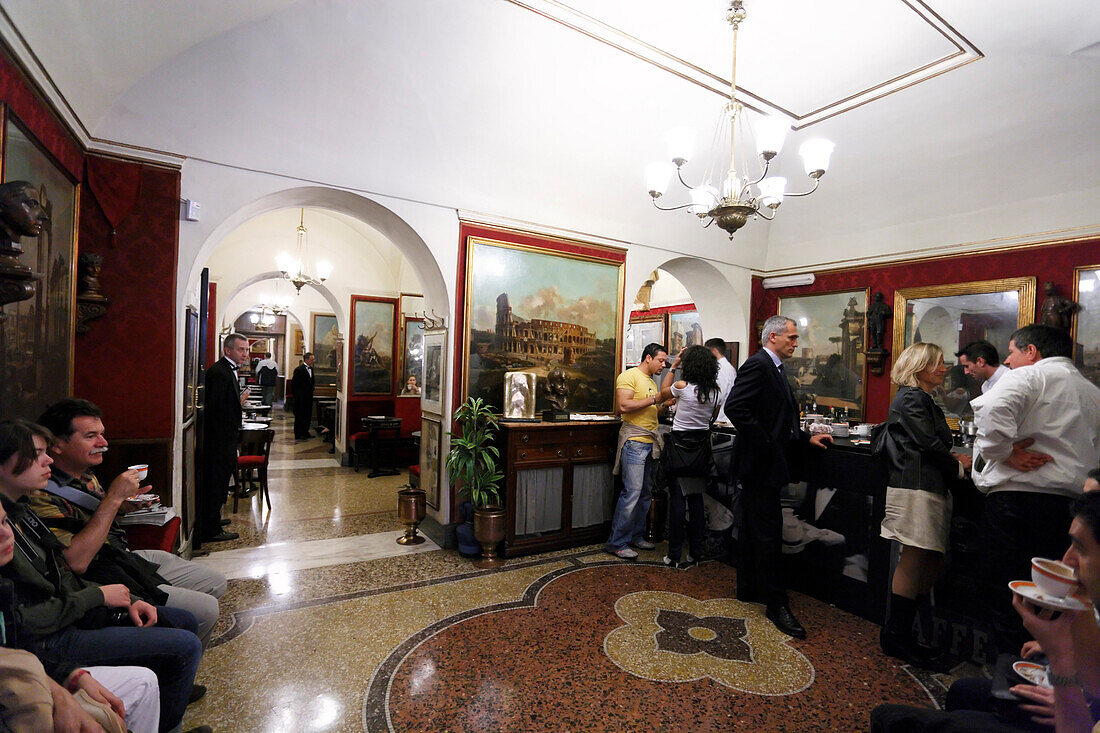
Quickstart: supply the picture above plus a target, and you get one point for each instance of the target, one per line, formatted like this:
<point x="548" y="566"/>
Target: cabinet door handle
<point x="522" y="454"/>
<point x="560" y="453"/>
<point x="579" y="451"/>
<point x="525" y="438"/>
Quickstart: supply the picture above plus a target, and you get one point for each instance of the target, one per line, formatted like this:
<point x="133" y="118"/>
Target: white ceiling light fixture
<point x="789" y="281"/>
<point x="738" y="195"/>
<point x="294" y="268"/>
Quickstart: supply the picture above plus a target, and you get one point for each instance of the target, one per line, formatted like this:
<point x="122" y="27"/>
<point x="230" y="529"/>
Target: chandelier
<point x="741" y="196"/>
<point x="294" y="268"/>
<point x="263" y="317"/>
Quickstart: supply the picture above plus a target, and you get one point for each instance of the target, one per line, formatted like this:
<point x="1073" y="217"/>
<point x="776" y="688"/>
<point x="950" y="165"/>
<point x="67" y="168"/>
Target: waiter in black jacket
<point x="224" y="399"/>
<point x="762" y="407"/>
<point x="301" y="386"/>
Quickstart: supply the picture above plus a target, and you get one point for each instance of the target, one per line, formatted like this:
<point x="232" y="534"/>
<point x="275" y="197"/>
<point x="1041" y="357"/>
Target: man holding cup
<point x="83" y="516"/>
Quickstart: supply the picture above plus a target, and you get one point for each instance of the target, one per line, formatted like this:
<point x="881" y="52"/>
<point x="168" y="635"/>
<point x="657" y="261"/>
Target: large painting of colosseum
<point x="533" y="310"/>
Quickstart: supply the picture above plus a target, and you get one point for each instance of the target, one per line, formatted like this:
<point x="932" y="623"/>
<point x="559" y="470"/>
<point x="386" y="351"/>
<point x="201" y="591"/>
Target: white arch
<point x="386" y="222"/>
<point x="276" y="275"/>
<point x="718" y="300"/>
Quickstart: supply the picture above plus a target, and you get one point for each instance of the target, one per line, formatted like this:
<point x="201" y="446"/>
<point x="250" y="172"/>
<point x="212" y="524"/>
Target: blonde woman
<point x="918" y="502"/>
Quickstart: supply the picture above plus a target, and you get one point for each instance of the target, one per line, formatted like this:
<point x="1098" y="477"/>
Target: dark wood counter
<point x="558" y="484"/>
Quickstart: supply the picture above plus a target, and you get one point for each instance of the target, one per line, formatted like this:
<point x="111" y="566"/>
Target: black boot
<point x="899" y="641"/>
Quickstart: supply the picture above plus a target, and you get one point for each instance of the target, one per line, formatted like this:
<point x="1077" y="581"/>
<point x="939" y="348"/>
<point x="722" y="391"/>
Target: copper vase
<point x="410" y="510"/>
<point x="489" y="531"/>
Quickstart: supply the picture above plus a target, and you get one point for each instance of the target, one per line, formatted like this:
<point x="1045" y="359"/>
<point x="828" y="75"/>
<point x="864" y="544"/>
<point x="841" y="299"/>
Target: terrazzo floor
<point x="329" y="625"/>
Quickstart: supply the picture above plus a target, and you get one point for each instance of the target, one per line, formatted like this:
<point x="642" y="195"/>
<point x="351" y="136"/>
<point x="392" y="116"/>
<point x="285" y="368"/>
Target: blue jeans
<point x="628" y="523"/>
<point x="172" y="653"/>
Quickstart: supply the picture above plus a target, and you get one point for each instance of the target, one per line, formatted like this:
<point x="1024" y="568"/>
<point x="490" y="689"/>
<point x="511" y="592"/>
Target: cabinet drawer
<point x="525" y="453"/>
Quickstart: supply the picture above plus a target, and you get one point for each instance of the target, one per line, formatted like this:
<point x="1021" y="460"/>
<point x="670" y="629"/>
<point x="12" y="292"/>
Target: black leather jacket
<point x="918" y="453"/>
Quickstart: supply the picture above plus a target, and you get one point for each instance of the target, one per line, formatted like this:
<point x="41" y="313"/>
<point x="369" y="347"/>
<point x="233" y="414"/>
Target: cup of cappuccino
<point x="1053" y="576"/>
<point x="141" y="468"/>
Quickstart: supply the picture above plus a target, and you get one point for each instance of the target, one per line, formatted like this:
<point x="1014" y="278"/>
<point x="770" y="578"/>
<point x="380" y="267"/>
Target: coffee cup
<point x="1053" y="576"/>
<point x="141" y="468"/>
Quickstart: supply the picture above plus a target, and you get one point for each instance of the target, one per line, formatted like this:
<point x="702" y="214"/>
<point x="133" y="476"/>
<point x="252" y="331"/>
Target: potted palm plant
<point x="473" y="465"/>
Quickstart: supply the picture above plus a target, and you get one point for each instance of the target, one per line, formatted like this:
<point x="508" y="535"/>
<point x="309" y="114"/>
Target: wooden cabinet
<point x="558" y="484"/>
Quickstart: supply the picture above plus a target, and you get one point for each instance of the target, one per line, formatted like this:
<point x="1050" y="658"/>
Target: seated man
<point x="83" y="517"/>
<point x="64" y="619"/>
<point x="1071" y="641"/>
<point x="31" y="701"/>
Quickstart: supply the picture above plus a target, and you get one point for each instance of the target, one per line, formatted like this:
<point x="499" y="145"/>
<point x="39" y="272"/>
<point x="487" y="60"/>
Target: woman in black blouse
<point x="918" y="502"/>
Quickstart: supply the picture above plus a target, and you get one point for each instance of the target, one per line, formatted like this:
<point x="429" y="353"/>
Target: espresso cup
<point x="141" y="468"/>
<point x="1053" y="576"/>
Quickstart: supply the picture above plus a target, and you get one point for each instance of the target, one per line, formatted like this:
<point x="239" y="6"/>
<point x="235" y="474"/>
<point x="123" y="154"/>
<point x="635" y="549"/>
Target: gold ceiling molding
<point x="965" y="52"/>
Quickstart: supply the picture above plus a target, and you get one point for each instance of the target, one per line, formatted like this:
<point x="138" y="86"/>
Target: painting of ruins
<point x="685" y="329"/>
<point x="829" y="367"/>
<point x="534" y="310"/>
<point x="372" y="332"/>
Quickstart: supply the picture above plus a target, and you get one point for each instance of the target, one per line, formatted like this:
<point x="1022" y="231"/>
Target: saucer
<point x="1035" y="674"/>
<point x="1028" y="590"/>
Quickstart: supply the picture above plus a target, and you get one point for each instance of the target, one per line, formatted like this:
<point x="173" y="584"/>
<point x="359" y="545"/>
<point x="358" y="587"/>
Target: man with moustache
<point x="84" y="518"/>
<point x="762" y="407"/>
<point x="223" y="402"/>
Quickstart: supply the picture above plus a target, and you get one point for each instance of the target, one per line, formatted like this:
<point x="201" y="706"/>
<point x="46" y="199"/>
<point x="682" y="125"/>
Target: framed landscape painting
<point x="326" y="336"/>
<point x="36" y="350"/>
<point x="640" y="332"/>
<point x="534" y="309"/>
<point x="373" y="332"/>
<point x="829" y="366"/>
<point x="684" y="329"/>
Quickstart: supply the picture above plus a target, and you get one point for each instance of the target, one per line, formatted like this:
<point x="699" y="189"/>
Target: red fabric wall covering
<point x="681" y="308"/>
<point x="213" y="352"/>
<point x="23" y="100"/>
<point x="1050" y="262"/>
<point x="126" y="361"/>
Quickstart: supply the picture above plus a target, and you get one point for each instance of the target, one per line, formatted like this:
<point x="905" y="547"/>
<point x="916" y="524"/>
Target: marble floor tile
<point x="282" y="557"/>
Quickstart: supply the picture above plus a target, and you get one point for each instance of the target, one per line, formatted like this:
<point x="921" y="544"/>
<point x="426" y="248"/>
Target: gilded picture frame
<point x="537" y="309"/>
<point x="324" y="336"/>
<point x="829" y="366"/>
<point x="954" y="314"/>
<point x="373" y="345"/>
<point x="1086" y="322"/>
<point x="685" y="328"/>
<point x="650" y="328"/>
<point x="190" y="362"/>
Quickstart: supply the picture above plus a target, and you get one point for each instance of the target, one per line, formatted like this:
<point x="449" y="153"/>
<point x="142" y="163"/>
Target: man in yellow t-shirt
<point x="636" y="399"/>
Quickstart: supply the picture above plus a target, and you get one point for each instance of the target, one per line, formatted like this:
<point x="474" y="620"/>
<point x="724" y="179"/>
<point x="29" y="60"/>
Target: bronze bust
<point x="21" y="215"/>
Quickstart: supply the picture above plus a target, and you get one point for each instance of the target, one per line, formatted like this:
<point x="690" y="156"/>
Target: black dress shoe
<point x="197" y="691"/>
<point x="785" y="621"/>
<point x="225" y="522"/>
<point x="222" y="536"/>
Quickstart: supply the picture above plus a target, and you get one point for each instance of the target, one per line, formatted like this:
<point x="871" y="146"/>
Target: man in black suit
<point x="301" y="386"/>
<point x="762" y="407"/>
<point x="221" y="434"/>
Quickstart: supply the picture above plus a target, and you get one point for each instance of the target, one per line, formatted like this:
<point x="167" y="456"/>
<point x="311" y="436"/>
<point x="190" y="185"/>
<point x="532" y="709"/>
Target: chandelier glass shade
<point x="731" y="197"/>
<point x="295" y="267"/>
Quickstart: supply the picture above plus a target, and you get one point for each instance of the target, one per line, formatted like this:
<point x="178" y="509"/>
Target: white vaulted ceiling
<point x="955" y="122"/>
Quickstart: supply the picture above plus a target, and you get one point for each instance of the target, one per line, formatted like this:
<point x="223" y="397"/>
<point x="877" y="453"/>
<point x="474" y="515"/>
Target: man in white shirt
<point x="1045" y="404"/>
<point x="726" y="375"/>
<point x="267" y="374"/>
<point x="980" y="360"/>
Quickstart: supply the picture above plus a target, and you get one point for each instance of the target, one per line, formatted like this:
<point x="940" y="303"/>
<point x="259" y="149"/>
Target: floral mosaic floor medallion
<point x="671" y="637"/>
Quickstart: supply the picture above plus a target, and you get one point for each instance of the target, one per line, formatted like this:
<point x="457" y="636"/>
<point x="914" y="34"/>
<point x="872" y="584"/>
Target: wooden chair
<point x="254" y="455"/>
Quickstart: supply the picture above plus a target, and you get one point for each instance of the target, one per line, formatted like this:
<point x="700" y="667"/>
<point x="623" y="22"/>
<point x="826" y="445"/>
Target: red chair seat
<point x="250" y="460"/>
